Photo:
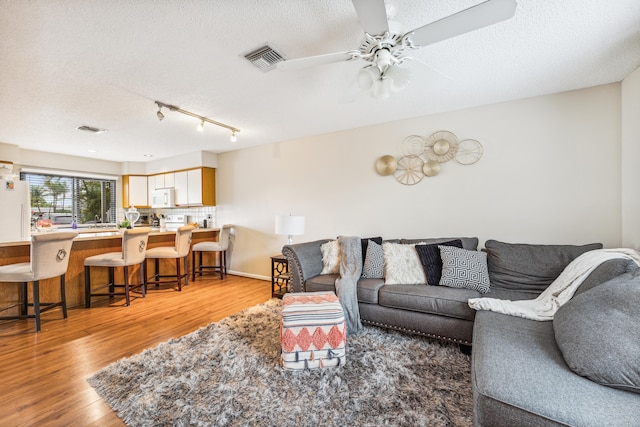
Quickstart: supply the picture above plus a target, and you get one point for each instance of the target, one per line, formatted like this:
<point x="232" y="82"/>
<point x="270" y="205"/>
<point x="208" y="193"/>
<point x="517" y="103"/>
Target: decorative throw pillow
<point x="330" y="257"/>
<point x="365" y="244"/>
<point x="402" y="265"/>
<point x="374" y="261"/>
<point x="431" y="260"/>
<point x="598" y="332"/>
<point x="464" y="269"/>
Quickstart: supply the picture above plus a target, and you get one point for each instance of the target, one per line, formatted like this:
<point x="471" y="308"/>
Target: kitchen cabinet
<point x="181" y="188"/>
<point x="135" y="191"/>
<point x="202" y="186"/>
<point x="151" y="187"/>
<point x="169" y="179"/>
<point x="192" y="187"/>
<point x="195" y="187"/>
<point x="163" y="180"/>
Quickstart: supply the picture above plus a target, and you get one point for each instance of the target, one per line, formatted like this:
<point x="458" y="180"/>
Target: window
<point x="62" y="198"/>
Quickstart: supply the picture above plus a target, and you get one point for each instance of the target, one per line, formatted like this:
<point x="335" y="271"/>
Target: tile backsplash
<point x="195" y="214"/>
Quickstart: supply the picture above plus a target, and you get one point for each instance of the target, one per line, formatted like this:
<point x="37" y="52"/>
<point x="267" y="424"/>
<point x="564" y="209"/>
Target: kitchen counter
<point x="98" y="233"/>
<point x="89" y="242"/>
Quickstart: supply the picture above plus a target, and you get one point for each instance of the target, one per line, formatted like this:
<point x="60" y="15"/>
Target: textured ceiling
<point x="66" y="63"/>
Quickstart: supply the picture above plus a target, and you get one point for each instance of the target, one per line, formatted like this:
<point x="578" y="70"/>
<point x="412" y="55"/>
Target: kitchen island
<point x="88" y="243"/>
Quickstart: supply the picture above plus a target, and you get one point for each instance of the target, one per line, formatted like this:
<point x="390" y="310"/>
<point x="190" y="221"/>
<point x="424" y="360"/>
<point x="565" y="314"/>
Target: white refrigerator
<point x="15" y="210"/>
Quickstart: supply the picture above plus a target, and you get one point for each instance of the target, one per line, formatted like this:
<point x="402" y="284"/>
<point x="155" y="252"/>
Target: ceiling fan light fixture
<point x="381" y="89"/>
<point x="367" y="76"/>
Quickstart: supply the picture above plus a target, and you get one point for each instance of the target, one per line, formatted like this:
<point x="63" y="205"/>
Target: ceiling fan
<point x="385" y="49"/>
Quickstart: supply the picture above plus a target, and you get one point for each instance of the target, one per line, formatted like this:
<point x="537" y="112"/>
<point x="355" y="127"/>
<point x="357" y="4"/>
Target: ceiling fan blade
<point x="372" y="15"/>
<point x="310" y="61"/>
<point x="482" y="15"/>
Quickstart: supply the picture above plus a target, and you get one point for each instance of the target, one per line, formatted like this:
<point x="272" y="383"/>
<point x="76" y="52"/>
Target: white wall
<point x="550" y="174"/>
<point x="630" y="124"/>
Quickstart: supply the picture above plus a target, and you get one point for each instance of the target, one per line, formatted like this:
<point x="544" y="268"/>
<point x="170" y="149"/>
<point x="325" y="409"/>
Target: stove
<point x="173" y="222"/>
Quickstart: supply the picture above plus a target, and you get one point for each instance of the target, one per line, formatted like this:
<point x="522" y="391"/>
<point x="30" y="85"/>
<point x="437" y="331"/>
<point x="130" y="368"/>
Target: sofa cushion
<point x="520" y="378"/>
<point x="321" y="283"/>
<point x="429" y="299"/>
<point x="373" y="267"/>
<point x="606" y="271"/>
<point x="402" y="265"/>
<point x="464" y="269"/>
<point x="330" y="257"/>
<point x="598" y="332"/>
<point x="470" y="243"/>
<point x="432" y="262"/>
<point x="529" y="268"/>
<point x="367" y="288"/>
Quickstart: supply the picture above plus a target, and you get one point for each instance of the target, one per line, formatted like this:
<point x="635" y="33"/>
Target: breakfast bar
<point x="88" y="243"/>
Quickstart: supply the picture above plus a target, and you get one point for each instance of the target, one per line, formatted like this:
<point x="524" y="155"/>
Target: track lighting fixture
<point x="201" y="118"/>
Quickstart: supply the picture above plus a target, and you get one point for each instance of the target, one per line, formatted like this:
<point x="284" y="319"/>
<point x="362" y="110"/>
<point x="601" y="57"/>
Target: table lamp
<point x="290" y="225"/>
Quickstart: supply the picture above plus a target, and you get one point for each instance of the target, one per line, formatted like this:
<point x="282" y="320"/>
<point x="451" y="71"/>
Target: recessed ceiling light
<point x="148" y="155"/>
<point x="92" y="151"/>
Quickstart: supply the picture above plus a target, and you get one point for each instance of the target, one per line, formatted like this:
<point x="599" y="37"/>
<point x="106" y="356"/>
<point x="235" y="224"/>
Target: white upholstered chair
<point x="219" y="249"/>
<point x="134" y="248"/>
<point x="49" y="258"/>
<point x="177" y="252"/>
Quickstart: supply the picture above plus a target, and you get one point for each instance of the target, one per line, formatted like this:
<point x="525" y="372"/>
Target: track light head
<point x="201" y="126"/>
<point x="234" y="138"/>
<point x="159" y="114"/>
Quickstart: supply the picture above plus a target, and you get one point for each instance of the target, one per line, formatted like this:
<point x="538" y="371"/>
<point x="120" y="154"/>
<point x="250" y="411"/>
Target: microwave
<point x="163" y="198"/>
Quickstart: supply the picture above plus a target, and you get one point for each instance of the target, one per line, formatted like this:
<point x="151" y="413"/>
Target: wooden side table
<point x="279" y="276"/>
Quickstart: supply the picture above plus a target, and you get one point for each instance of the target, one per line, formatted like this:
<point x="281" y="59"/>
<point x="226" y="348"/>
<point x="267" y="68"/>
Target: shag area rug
<point x="228" y="373"/>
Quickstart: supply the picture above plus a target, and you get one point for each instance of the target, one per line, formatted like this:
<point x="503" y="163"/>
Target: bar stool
<point x="219" y="248"/>
<point x="134" y="245"/>
<point x="181" y="250"/>
<point x="49" y="258"/>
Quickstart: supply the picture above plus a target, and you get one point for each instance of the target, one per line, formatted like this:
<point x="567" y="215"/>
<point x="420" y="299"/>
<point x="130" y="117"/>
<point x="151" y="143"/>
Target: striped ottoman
<point x="313" y="332"/>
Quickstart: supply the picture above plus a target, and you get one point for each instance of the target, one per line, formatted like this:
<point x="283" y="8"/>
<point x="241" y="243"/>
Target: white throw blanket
<point x="559" y="292"/>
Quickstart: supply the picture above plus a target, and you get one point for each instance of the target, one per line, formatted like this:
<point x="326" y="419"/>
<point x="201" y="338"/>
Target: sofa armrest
<point x="305" y="261"/>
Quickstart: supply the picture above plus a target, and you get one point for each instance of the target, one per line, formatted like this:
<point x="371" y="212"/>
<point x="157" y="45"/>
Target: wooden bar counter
<point x="85" y="245"/>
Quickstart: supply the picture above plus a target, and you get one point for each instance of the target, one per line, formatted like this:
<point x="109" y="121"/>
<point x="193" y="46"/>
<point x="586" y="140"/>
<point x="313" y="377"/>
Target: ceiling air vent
<point x="91" y="129"/>
<point x="265" y="57"/>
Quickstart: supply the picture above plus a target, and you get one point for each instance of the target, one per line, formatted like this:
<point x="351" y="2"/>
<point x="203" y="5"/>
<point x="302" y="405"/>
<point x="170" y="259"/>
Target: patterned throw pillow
<point x="330" y="257"/>
<point x="365" y="243"/>
<point x="431" y="260"/>
<point x="373" y="262"/>
<point x="462" y="268"/>
<point x="402" y="265"/>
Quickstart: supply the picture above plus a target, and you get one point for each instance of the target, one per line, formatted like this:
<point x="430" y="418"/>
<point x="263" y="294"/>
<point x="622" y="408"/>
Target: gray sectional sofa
<point x="519" y="373"/>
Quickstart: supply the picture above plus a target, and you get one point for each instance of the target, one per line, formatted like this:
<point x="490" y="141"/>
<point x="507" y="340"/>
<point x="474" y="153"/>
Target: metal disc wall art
<point x="431" y="168"/>
<point x="413" y="145"/>
<point x="441" y="146"/>
<point x="424" y="156"/>
<point x="409" y="170"/>
<point x="469" y="152"/>
<point x="386" y="165"/>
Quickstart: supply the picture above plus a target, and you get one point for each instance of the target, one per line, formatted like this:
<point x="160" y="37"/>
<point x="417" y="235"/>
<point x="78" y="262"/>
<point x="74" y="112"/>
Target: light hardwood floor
<point x="43" y="376"/>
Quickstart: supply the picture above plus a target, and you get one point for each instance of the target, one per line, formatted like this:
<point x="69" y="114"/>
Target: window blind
<point x="63" y="199"/>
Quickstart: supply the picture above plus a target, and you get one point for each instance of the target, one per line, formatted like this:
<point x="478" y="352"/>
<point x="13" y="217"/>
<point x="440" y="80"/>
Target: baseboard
<point x="249" y="275"/>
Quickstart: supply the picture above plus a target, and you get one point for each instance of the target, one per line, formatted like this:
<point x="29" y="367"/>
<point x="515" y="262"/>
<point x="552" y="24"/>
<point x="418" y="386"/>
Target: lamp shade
<point x="291" y="225"/>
